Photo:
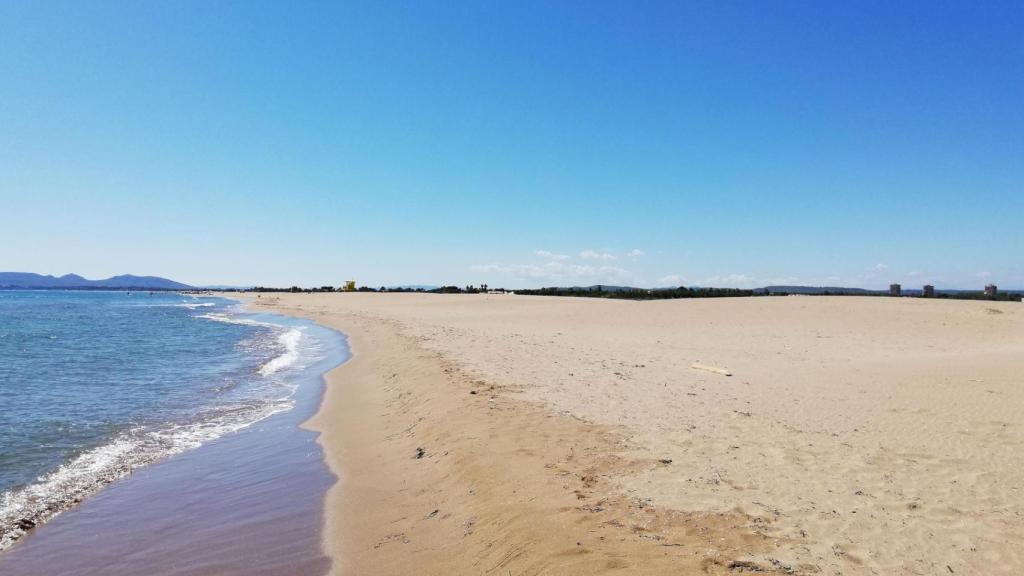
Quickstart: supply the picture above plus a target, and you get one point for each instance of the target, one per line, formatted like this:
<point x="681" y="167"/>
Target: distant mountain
<point x="425" y="287"/>
<point x="10" y="280"/>
<point x="606" y="288"/>
<point x="817" y="290"/>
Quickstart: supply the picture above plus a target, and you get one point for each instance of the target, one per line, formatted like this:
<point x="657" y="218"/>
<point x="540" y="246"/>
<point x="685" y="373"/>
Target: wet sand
<point x="479" y="434"/>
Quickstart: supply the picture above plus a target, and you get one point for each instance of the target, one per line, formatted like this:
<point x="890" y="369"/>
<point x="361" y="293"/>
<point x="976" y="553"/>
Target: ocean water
<point x="96" y="385"/>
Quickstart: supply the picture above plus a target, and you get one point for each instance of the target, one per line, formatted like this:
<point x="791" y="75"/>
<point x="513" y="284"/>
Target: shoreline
<point x="496" y="435"/>
<point x="237" y="478"/>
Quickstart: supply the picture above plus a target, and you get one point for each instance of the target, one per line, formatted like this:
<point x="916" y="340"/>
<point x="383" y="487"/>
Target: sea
<point x="99" y="387"/>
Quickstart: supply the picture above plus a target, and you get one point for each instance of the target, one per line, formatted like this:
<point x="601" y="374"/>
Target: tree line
<point x="645" y="294"/>
<point x="640" y="293"/>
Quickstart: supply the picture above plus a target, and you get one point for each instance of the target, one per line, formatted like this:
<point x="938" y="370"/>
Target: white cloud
<point x="671" y="280"/>
<point x="881" y="267"/>
<point x="551" y="255"/>
<point x="636" y="253"/>
<point x="561" y="273"/>
<point x="745" y="281"/>
<point x="594" y="255"/>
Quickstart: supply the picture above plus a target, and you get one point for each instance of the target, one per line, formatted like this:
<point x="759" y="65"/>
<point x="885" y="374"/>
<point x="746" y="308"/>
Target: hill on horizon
<point x="819" y="290"/>
<point x="29" y="280"/>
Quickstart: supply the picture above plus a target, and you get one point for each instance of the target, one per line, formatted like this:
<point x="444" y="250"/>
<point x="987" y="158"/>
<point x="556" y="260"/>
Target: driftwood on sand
<point x="715" y="369"/>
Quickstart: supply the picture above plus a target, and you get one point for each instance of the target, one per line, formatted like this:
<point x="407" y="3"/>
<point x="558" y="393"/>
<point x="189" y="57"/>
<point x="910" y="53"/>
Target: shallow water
<point x="243" y="494"/>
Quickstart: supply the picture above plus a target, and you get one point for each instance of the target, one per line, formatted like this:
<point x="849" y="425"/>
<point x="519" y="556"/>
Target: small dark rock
<point x="665" y="460"/>
<point x="26" y="524"/>
<point x="420" y="452"/>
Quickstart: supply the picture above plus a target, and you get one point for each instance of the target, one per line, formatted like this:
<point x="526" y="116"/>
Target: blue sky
<point x="515" y="143"/>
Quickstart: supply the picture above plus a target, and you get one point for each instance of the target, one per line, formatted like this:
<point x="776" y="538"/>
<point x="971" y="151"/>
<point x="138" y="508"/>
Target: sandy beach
<point x="494" y="434"/>
<point x="218" y="507"/>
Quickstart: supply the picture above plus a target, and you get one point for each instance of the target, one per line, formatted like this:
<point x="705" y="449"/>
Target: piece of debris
<point x="744" y="566"/>
<point x="420" y="452"/>
<point x="707" y="368"/>
<point x="665" y="460"/>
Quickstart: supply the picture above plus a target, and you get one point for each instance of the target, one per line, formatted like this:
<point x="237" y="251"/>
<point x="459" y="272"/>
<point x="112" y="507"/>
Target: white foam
<point x="179" y="438"/>
<point x="187" y="305"/>
<point x="193" y="306"/>
<point x="290" y="340"/>
<point x="68" y="485"/>
<point x="63" y="487"/>
<point x="227" y="319"/>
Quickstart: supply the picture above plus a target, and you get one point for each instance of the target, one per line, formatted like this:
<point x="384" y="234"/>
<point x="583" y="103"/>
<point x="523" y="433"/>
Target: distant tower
<point x="895" y="290"/>
<point x="990" y="290"/>
<point x="350" y="286"/>
<point x="928" y="291"/>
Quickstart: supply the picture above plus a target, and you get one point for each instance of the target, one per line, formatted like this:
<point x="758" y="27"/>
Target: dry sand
<point x="480" y="434"/>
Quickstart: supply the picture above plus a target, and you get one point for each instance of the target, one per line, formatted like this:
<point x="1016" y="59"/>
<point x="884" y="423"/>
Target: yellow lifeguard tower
<point x="350" y="286"/>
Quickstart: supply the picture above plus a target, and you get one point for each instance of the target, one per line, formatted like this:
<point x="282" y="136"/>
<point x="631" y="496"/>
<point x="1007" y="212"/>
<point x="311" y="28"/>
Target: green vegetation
<point x="640" y="293"/>
<point x="629" y="293"/>
<point x="964" y="295"/>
